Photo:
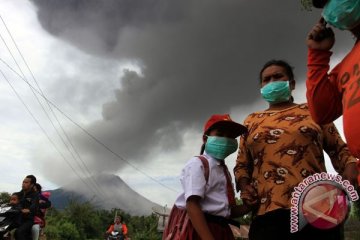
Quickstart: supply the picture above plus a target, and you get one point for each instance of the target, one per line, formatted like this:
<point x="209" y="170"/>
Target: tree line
<point x="83" y="221"/>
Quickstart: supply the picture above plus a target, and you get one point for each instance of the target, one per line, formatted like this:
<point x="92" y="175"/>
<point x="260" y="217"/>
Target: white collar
<point x="210" y="158"/>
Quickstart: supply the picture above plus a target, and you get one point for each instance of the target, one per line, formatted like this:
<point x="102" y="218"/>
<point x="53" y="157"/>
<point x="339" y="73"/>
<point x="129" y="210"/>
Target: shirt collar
<point x="210" y="158"/>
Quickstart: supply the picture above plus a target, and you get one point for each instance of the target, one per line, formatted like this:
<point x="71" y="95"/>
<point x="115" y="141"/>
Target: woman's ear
<point x="292" y="84"/>
<point x="204" y="138"/>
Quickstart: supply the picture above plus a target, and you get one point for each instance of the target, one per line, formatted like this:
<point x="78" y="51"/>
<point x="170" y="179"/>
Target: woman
<point x="283" y="147"/>
<point x="39" y="219"/>
<point x="118" y="226"/>
<point x="204" y="208"/>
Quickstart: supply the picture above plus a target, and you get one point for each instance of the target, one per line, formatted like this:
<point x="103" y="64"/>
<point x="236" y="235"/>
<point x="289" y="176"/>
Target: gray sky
<point x="142" y="76"/>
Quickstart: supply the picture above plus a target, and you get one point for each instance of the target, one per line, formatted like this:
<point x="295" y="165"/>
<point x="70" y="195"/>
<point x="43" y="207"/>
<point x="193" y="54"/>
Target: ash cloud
<point x="196" y="58"/>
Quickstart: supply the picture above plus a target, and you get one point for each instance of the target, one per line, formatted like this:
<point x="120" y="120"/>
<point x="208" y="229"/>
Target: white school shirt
<point x="213" y="194"/>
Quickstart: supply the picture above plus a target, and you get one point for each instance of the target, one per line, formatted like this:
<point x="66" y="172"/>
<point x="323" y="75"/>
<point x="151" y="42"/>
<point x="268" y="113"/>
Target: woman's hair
<point x="38" y="187"/>
<point x="202" y="149"/>
<point x="281" y="63"/>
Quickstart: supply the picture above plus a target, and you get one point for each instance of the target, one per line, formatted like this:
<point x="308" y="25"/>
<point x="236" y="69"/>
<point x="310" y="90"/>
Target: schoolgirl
<point x="205" y="207"/>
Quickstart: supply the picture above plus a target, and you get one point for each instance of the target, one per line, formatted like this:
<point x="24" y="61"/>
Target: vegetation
<point x="84" y="221"/>
<point x="353" y="222"/>
<point x="355" y="211"/>
<point x="4" y="197"/>
<point x="246" y="219"/>
<point x="306" y="4"/>
<point x="80" y="221"/>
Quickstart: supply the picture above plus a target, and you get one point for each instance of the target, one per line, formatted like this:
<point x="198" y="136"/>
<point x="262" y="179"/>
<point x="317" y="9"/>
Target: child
<point x="14" y="200"/>
<point x="204" y="208"/>
<point x="15" y="216"/>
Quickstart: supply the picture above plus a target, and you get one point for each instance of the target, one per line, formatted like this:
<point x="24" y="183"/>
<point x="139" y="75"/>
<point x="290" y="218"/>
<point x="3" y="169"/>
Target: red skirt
<point x="358" y="167"/>
<point x="179" y="227"/>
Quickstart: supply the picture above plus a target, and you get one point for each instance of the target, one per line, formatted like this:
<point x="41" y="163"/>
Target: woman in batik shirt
<point x="283" y="147"/>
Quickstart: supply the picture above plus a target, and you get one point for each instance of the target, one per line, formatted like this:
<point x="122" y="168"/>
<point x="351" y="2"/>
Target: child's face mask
<point x="343" y="14"/>
<point x="220" y="147"/>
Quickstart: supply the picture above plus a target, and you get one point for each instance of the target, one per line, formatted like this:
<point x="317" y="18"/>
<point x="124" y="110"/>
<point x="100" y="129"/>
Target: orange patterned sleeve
<point x="243" y="166"/>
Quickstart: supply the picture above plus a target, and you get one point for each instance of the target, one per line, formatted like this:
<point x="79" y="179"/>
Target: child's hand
<point x="249" y="195"/>
<point x="25" y="211"/>
<point x="351" y="173"/>
<point x="240" y="210"/>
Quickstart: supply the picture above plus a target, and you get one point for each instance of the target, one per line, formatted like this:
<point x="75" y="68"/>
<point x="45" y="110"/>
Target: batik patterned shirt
<point x="281" y="149"/>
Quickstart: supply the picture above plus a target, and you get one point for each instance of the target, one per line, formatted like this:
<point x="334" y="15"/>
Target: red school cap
<point x="224" y="121"/>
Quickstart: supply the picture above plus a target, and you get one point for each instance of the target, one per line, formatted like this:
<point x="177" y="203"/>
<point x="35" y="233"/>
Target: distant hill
<point x="115" y="194"/>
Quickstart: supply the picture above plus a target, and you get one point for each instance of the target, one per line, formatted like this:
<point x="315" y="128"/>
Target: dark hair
<point x="38" y="187"/>
<point x="32" y="178"/>
<point x="202" y="149"/>
<point x="281" y="63"/>
<point x="120" y="217"/>
<point x="319" y="3"/>
<point x="17" y="194"/>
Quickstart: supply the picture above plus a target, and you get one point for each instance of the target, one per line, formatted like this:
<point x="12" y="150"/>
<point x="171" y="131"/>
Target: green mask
<point x="220" y="147"/>
<point x="276" y="92"/>
<point x="344" y="14"/>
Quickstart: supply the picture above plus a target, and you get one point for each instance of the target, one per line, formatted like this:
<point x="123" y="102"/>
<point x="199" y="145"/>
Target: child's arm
<point x="197" y="218"/>
<point x="239" y="210"/>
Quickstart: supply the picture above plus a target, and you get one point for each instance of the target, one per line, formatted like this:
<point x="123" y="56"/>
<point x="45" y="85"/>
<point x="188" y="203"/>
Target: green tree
<point x="307" y="4"/>
<point x="85" y="218"/>
<point x="83" y="221"/>
<point x="143" y="227"/>
<point x="68" y="231"/>
<point x="52" y="232"/>
<point x="4" y="197"/>
<point x="356" y="210"/>
<point x="62" y="230"/>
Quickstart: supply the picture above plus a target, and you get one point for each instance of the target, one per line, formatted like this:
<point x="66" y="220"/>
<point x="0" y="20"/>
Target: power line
<point x="87" y="132"/>
<point x="46" y="113"/>
<point x="95" y="184"/>
<point x="36" y="82"/>
<point x="84" y="130"/>
<point x="38" y="123"/>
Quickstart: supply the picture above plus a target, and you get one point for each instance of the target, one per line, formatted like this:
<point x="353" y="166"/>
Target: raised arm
<point x="324" y="99"/>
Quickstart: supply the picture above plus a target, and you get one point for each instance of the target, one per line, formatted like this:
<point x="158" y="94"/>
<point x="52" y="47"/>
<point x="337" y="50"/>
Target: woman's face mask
<point x="343" y="14"/>
<point x="220" y="147"/>
<point x="276" y="92"/>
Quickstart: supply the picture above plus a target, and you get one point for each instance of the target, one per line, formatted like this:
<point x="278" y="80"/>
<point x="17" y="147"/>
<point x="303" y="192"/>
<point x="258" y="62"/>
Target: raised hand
<point x="320" y="37"/>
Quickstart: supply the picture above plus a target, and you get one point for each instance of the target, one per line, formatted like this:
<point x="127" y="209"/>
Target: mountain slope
<point x="110" y="192"/>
